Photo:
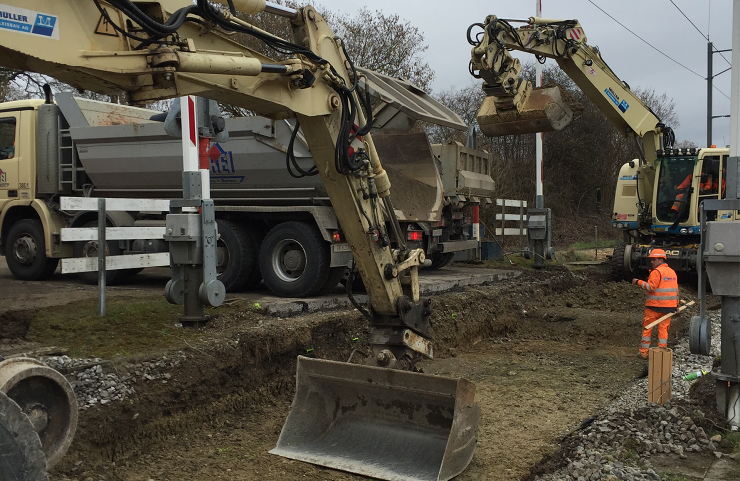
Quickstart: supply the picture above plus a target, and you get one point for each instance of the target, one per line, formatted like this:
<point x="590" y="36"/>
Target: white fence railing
<point x="507" y="219"/>
<point x="103" y="234"/>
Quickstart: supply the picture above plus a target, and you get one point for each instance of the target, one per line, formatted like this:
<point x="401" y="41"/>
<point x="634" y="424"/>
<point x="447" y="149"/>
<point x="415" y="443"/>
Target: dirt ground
<point x="545" y="350"/>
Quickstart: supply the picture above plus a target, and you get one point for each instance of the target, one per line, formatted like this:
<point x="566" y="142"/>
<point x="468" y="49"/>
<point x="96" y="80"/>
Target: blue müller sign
<point x="621" y="104"/>
<point x="29" y="22"/>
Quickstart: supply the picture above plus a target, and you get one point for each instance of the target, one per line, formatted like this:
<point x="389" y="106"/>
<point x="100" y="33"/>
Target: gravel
<point x="617" y="443"/>
<point x="96" y="381"/>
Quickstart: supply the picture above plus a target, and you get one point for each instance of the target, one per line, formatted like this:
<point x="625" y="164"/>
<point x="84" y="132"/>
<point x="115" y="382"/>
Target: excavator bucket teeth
<point x="382" y="423"/>
<point x="547" y="109"/>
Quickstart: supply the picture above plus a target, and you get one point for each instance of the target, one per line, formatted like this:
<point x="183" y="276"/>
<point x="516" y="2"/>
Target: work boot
<point x="644" y="373"/>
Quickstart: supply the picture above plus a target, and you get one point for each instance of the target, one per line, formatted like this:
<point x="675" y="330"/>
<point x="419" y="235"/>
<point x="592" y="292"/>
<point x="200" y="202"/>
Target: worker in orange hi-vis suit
<point x="682" y="189"/>
<point x="662" y="298"/>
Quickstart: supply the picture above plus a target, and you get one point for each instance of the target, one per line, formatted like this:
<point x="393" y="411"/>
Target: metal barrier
<point x="506" y="219"/>
<point x="102" y="234"/>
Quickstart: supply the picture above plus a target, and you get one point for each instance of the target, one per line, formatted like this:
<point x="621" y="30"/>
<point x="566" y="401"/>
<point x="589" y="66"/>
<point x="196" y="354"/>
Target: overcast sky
<point x="659" y="22"/>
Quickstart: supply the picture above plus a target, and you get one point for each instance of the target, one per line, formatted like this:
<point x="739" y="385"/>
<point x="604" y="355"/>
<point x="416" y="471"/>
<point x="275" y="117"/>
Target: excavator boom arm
<point x="119" y="51"/>
<point x="566" y="42"/>
<point x="172" y="48"/>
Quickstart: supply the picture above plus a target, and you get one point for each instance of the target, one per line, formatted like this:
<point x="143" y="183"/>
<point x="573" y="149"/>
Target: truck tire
<point x="618" y="270"/>
<point x="335" y="276"/>
<point x="237" y="265"/>
<point x="90" y="249"/>
<point x="26" y="251"/>
<point x="294" y="260"/>
<point x="440" y="259"/>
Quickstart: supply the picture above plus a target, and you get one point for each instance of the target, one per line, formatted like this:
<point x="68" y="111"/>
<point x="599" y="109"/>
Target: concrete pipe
<point x="46" y="398"/>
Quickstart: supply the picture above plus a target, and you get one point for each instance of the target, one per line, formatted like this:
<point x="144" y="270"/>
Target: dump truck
<point x="81" y="147"/>
<point x="657" y="197"/>
<point x="383" y="419"/>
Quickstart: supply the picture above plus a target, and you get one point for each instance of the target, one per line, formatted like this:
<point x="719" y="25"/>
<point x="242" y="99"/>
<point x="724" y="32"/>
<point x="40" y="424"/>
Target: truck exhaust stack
<point x="545" y="109"/>
<point x="382" y="423"/>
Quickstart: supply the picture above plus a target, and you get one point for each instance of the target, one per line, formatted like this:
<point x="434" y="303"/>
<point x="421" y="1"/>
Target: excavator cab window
<point x="709" y="176"/>
<point x="710" y="180"/>
<point x="675" y="189"/>
<point x="7" y="138"/>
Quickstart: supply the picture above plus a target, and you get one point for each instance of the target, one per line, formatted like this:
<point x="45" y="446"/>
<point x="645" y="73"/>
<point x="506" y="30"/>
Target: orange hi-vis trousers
<point x="651" y="316"/>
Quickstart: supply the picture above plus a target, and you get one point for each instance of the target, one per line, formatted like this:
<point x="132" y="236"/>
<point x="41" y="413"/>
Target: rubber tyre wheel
<point x="237" y="260"/>
<point x="618" y="271"/>
<point x="35" y="267"/>
<point x="439" y="260"/>
<point x="357" y="284"/>
<point x="294" y="260"/>
<point x="335" y="276"/>
<point x="112" y="277"/>
<point x="23" y="458"/>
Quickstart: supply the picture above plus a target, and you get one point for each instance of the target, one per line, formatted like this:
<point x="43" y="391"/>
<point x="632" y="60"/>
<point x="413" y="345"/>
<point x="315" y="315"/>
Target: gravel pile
<point x="96" y="381"/>
<point x="617" y="443"/>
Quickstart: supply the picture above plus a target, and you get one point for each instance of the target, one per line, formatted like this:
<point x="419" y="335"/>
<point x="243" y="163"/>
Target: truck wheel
<point x="294" y="260"/>
<point x="26" y="252"/>
<point x="236" y="264"/>
<point x="90" y="249"/>
<point x="440" y="259"/>
<point x="335" y="276"/>
<point x="618" y="269"/>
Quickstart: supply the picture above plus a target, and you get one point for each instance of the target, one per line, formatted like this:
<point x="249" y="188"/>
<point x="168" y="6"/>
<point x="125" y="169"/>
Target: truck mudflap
<point x="546" y="109"/>
<point x="383" y="423"/>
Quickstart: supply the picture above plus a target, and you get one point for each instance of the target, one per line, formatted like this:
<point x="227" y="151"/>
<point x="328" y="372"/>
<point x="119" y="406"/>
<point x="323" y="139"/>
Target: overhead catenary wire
<point x="706" y="37"/>
<point x="655" y="48"/>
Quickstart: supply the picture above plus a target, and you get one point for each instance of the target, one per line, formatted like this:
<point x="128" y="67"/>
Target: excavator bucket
<point x="383" y="423"/>
<point x="546" y="109"/>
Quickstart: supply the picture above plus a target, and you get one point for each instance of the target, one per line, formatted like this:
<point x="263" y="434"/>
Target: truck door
<point x="8" y="159"/>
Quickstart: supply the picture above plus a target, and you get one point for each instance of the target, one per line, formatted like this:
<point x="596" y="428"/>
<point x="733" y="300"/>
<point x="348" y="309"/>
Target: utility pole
<point x="710" y="86"/>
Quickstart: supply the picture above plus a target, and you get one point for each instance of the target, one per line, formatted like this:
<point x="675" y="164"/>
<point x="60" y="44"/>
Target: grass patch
<point x="734" y="439"/>
<point x="132" y="326"/>
<point x="576" y="246"/>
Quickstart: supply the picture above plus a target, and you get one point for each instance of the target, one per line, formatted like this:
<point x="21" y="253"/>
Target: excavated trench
<point x="546" y="350"/>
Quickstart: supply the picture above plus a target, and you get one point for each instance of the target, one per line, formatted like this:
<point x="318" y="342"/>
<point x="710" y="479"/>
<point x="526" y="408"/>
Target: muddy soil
<point x="545" y="350"/>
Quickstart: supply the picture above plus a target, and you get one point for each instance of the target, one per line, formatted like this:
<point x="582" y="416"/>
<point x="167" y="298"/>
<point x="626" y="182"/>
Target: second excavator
<point x="657" y="195"/>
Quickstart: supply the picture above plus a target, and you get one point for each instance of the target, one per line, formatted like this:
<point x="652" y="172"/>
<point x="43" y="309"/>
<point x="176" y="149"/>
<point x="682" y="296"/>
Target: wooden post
<point x="660" y="367"/>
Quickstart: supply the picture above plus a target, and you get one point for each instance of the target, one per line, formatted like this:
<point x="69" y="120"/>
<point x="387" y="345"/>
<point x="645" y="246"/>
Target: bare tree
<point x="384" y="43"/>
<point x="662" y="105"/>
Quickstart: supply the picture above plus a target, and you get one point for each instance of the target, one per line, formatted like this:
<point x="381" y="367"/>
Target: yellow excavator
<point x="385" y="419"/>
<point x="657" y="196"/>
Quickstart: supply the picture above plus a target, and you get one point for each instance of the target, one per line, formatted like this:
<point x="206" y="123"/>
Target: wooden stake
<point x="654" y="323"/>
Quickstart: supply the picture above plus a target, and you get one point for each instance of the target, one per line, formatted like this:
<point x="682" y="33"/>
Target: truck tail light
<point x="337" y="236"/>
<point x="414" y="235"/>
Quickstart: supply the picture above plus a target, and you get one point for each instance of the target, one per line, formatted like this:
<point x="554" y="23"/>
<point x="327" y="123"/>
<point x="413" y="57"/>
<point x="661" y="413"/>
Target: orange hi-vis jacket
<point x="682" y="188"/>
<point x="662" y="288"/>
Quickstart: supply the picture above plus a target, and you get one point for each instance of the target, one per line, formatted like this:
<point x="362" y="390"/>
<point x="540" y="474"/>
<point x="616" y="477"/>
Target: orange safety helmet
<point x="657" y="254"/>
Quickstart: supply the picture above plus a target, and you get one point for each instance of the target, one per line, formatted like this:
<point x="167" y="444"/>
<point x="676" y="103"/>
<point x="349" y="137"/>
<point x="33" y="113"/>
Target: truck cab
<point x="29" y="229"/>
